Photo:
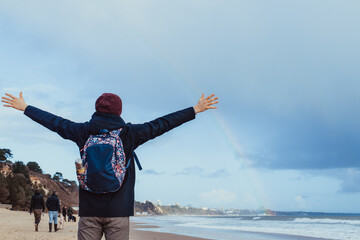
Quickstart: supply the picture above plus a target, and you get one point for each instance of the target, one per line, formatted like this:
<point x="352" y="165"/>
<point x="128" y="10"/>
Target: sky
<point x="286" y="133"/>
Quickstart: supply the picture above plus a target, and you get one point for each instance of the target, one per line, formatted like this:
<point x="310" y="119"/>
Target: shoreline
<point x="219" y="233"/>
<point x="137" y="234"/>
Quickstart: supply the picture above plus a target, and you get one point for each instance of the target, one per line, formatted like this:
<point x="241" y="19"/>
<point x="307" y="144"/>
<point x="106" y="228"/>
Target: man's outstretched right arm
<point x="65" y="128"/>
<point x="157" y="127"/>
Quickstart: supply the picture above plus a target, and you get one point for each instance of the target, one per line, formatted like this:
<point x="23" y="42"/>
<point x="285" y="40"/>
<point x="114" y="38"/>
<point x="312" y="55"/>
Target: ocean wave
<point x="326" y="221"/>
<point x="326" y="228"/>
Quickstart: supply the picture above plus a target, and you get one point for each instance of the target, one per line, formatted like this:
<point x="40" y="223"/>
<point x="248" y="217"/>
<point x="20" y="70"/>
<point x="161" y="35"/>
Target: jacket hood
<point x="100" y="120"/>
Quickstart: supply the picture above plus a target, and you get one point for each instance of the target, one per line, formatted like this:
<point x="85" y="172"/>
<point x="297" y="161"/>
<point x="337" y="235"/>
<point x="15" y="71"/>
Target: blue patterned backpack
<point x="103" y="163"/>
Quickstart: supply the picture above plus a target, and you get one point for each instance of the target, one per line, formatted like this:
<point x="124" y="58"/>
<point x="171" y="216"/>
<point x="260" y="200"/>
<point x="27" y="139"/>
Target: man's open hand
<point x="206" y="103"/>
<point x="14" y="102"/>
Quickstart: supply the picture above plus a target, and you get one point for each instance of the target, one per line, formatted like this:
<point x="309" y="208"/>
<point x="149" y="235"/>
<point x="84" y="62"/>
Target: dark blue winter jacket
<point x="37" y="202"/>
<point x="53" y="203"/>
<point x="120" y="203"/>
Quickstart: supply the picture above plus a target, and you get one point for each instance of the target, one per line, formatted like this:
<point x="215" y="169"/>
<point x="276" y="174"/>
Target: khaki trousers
<point x="37" y="215"/>
<point x="114" y="228"/>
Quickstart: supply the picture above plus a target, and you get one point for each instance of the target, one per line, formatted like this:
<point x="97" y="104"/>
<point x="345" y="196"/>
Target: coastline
<point x="173" y="225"/>
<point x="19" y="225"/>
<point x="136" y="234"/>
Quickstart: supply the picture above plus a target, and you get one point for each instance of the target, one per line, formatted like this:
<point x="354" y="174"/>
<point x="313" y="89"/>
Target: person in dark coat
<point x="64" y="213"/>
<point x="109" y="213"/>
<point x="37" y="206"/>
<point x="53" y="206"/>
<point x="70" y="213"/>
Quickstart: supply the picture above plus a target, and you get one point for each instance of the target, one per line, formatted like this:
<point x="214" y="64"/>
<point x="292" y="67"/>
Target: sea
<point x="257" y="227"/>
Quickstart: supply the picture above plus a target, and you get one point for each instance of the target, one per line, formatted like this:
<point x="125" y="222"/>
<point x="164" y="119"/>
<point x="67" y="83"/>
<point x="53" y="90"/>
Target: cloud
<point x="348" y="178"/>
<point x="153" y="172"/>
<point x="218" y="196"/>
<point x="351" y="181"/>
<point x="307" y="142"/>
<point x="219" y="173"/>
<point x="248" y="198"/>
<point x="300" y="202"/>
<point x="190" y="171"/>
<point x="201" y="172"/>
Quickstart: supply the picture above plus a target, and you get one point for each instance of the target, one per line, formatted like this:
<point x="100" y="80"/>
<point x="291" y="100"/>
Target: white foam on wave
<point x="337" y="229"/>
<point x="327" y="221"/>
<point x="319" y="228"/>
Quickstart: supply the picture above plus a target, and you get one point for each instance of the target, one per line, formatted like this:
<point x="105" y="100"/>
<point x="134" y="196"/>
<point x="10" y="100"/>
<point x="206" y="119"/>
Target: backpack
<point x="104" y="162"/>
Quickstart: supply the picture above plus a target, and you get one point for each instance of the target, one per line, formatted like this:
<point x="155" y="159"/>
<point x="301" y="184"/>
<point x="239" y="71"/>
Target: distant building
<point x="35" y="180"/>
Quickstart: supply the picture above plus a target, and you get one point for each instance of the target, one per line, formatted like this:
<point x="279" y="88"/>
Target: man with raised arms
<point x="109" y="213"/>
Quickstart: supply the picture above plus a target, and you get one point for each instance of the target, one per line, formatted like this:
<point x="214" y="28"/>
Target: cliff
<point x="18" y="183"/>
<point x="68" y="194"/>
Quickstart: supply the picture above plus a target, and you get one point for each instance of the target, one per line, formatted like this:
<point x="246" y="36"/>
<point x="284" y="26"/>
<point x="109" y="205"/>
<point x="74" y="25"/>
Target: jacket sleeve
<point x="31" y="204"/>
<point x="159" y="126"/>
<point x="65" y="128"/>
<point x="59" y="208"/>
<point x="42" y="204"/>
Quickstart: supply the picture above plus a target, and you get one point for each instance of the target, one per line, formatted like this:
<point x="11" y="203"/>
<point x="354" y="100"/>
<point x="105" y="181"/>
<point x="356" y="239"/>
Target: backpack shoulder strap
<point x="134" y="157"/>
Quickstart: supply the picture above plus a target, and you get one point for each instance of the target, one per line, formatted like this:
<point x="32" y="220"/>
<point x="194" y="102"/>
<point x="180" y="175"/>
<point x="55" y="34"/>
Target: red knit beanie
<point x="109" y="103"/>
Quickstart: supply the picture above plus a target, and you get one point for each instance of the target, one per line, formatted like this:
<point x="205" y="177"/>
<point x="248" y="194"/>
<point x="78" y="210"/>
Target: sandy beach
<point x="19" y="225"/>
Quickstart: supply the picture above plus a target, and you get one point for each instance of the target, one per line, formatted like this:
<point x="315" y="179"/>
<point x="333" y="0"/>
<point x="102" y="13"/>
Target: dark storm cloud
<point x="308" y="143"/>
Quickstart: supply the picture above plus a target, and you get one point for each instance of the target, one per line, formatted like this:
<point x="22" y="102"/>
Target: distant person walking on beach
<point x="70" y="213"/>
<point x="109" y="213"/>
<point x="37" y="206"/>
<point x="53" y="205"/>
<point x="64" y="213"/>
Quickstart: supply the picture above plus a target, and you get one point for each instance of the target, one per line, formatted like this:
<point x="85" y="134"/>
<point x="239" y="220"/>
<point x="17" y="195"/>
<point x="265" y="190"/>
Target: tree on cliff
<point x="4" y="191"/>
<point x="34" y="166"/>
<point x="20" y="190"/>
<point x="5" y="154"/>
<point x="58" y="176"/>
<point x="19" y="167"/>
<point x="70" y="183"/>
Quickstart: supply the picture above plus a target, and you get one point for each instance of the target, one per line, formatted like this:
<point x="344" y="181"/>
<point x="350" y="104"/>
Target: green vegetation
<point x="69" y="183"/>
<point x="5" y="154"/>
<point x="58" y="176"/>
<point x="4" y="190"/>
<point x="20" y="168"/>
<point x="20" y="190"/>
<point x="34" y="166"/>
<point x="15" y="185"/>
